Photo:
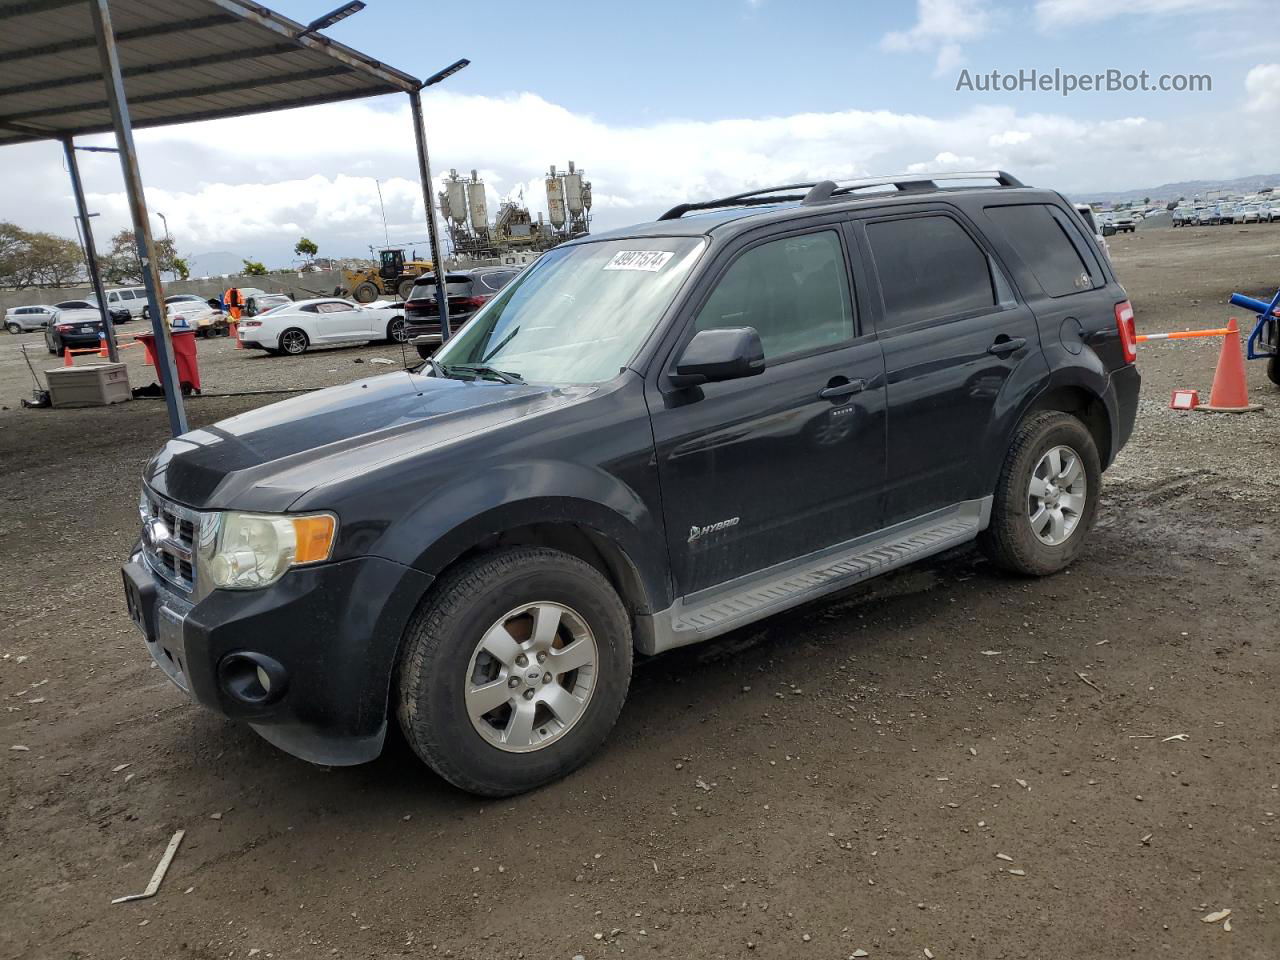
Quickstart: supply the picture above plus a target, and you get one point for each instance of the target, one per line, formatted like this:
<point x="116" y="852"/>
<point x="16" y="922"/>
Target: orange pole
<point x="1182" y="335"/>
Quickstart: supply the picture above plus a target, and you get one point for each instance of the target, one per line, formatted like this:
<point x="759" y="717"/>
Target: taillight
<point x="64" y="327"/>
<point x="475" y="303"/>
<point x="1128" y="333"/>
<point x="420" y="306"/>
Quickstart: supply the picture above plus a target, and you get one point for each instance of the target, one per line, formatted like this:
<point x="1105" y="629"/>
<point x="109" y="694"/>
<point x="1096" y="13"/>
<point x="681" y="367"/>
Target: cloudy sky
<point x="678" y="100"/>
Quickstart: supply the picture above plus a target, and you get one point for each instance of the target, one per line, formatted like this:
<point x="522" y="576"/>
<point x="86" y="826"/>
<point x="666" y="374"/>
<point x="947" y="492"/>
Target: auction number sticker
<point x="649" y="260"/>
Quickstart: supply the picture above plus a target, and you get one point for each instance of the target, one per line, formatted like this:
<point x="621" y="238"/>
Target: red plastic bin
<point x="184" y="355"/>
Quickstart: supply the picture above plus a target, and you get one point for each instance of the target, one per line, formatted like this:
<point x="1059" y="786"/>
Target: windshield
<point x="579" y="314"/>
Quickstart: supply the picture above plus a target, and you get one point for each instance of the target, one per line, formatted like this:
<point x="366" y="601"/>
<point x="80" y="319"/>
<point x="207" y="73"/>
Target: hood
<point x="267" y="458"/>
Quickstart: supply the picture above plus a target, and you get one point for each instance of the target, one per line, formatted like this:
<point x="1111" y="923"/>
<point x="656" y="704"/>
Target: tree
<point x="305" y="248"/>
<point x="54" y="261"/>
<point x="1146" y="201"/>
<point x="254" y="268"/>
<point x="13" y="245"/>
<point x="37" y="259"/>
<point x="121" y="264"/>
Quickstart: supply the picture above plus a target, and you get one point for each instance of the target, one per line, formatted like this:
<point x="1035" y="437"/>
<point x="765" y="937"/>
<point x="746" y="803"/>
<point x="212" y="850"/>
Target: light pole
<point x="168" y="248"/>
<point x="424" y="174"/>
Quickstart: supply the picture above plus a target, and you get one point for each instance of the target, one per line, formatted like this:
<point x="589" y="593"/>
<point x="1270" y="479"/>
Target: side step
<point x="728" y="606"/>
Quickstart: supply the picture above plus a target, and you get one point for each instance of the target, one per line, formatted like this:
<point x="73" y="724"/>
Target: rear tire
<point x="1273" y="370"/>
<point x="1046" y="497"/>
<point x="395" y="331"/>
<point x="426" y="353"/>
<point x="294" y="342"/>
<point x="405" y="288"/>
<point x="13" y="328"/>
<point x="498" y="601"/>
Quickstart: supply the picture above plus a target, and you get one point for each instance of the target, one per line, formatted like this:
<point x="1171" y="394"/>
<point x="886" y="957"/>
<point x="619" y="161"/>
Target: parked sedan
<point x="293" y="327"/>
<point x="76" y="324"/>
<point x="193" y="309"/>
<point x="467" y="290"/>
<point x="32" y="316"/>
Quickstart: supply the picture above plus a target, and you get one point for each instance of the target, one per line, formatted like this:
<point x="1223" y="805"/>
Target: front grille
<point x="169" y="539"/>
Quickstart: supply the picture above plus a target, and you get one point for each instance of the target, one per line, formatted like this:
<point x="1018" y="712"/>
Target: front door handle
<point x="844" y="389"/>
<point x="1005" y="345"/>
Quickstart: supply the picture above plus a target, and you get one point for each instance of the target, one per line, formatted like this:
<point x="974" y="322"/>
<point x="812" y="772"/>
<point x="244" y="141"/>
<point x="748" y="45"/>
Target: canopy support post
<point x="90" y="252"/>
<point x="110" y="60"/>
<point x="424" y="174"/>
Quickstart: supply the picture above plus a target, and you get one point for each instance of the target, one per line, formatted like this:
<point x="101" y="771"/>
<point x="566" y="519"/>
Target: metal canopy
<point x="181" y="61"/>
<point x="73" y="67"/>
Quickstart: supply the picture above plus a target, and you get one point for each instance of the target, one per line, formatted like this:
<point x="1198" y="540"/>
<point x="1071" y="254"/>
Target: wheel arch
<point x="590" y="531"/>
<point x="1085" y="405"/>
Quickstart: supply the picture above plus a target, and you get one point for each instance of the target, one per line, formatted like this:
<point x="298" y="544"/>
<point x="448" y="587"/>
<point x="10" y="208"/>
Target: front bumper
<point x="334" y="628"/>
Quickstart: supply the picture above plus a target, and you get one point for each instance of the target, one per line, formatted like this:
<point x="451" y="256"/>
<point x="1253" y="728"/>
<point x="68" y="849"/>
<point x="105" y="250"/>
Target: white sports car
<point x="292" y="327"/>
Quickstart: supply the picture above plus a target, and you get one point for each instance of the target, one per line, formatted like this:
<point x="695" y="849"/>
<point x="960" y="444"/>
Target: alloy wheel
<point x="531" y="677"/>
<point x="1056" y="495"/>
<point x="293" y="341"/>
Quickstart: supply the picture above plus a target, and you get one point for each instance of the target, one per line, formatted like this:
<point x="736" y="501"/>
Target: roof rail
<point x="825" y="190"/>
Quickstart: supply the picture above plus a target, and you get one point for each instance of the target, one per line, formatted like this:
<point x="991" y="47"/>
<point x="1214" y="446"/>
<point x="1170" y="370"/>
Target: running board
<point x="728" y="606"/>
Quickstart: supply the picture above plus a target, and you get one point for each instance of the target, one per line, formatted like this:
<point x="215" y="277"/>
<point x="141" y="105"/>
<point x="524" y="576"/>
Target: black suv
<point x="467" y="290"/>
<point x="650" y="438"/>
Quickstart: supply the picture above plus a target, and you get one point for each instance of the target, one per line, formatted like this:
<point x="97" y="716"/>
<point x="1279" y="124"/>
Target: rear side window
<point x="794" y="291"/>
<point x="1039" y="234"/>
<point x="493" y="282"/>
<point x="931" y="269"/>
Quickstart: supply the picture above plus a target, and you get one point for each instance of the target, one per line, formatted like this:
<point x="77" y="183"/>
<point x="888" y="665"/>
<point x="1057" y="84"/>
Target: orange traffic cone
<point x="235" y="334"/>
<point x="66" y="357"/>
<point x="102" y="347"/>
<point x="1230" y="390"/>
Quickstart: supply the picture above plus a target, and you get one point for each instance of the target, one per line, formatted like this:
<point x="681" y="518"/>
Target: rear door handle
<point x="846" y="389"/>
<point x="1005" y="345"/>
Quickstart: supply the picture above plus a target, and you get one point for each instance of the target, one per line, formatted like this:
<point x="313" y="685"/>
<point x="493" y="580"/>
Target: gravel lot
<point x="945" y="760"/>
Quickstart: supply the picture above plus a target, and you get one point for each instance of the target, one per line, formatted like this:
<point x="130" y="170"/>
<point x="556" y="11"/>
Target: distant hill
<point x="1187" y="188"/>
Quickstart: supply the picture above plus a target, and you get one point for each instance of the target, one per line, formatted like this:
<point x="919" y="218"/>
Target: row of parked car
<point x="274" y="322"/>
<point x="1225" y="213"/>
<point x="78" y="323"/>
<point x="293" y="328"/>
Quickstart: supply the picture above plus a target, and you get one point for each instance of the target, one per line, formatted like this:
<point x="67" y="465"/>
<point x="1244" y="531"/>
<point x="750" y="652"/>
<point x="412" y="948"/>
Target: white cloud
<point x="1070" y="13"/>
<point x="941" y="26"/>
<point x="1262" y="87"/>
<point x="252" y="185"/>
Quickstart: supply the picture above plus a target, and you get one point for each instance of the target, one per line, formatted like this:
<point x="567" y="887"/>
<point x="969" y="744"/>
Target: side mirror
<point x="714" y="355"/>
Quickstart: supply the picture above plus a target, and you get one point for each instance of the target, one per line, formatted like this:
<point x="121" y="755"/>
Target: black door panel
<point x="770" y="469"/>
<point x="764" y="469"/>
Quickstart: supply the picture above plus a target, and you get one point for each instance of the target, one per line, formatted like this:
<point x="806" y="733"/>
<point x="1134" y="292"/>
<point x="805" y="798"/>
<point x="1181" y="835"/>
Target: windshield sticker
<point x="648" y="260"/>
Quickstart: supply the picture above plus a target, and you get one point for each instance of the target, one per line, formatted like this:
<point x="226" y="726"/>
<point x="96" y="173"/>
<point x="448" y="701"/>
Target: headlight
<point x="244" y="551"/>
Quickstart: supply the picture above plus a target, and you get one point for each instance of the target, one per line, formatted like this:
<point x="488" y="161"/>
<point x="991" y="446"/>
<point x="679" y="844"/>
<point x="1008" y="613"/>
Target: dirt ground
<point x="946" y="762"/>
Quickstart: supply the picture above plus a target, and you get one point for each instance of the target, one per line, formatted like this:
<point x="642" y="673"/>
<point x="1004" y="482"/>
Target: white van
<point x="132" y="299"/>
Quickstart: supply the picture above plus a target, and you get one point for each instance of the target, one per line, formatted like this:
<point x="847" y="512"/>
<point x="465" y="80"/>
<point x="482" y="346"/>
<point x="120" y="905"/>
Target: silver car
<point x="33" y="316"/>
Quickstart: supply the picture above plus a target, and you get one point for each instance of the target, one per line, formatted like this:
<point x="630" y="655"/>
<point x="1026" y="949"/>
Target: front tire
<point x="1273" y="370"/>
<point x="1046" y="497"/>
<point x="514" y="670"/>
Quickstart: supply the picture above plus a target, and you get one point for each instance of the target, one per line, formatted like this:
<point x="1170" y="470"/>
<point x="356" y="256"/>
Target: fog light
<point x="252" y="678"/>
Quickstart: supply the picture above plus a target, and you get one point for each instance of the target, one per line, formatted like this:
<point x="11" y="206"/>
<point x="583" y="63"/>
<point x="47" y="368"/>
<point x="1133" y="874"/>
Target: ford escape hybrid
<point x="648" y="438"/>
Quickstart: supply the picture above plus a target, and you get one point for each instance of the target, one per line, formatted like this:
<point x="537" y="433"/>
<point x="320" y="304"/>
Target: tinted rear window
<point x="1039" y="234"/>
<point x="929" y="269"/>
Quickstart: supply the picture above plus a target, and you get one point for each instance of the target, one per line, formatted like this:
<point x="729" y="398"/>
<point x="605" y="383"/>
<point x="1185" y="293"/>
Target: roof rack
<point x="823" y="191"/>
